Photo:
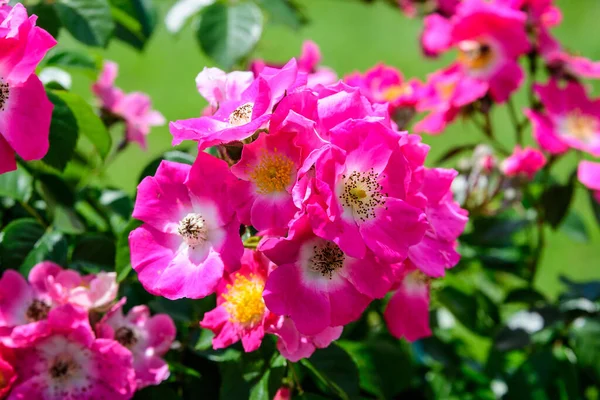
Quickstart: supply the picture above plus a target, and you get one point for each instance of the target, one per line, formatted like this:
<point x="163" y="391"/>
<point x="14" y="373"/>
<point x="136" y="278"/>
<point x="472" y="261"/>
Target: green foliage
<point x="89" y="21"/>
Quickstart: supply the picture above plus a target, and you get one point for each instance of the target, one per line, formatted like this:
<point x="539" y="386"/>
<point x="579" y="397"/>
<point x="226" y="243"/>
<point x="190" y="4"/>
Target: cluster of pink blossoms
<point x="49" y="350"/>
<point x="134" y="108"/>
<point x="25" y="110"/>
<point x="344" y="208"/>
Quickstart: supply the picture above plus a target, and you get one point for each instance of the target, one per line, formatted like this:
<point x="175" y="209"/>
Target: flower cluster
<point x="343" y="208"/>
<point x="25" y="110"/>
<point x="134" y="108"/>
<point x="48" y="348"/>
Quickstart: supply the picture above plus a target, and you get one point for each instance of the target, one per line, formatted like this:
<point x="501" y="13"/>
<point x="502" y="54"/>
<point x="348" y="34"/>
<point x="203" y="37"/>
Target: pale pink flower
<point x="294" y="346"/>
<point x="25" y="111"/>
<point x="570" y="119"/>
<point x="526" y="161"/>
<point x="67" y="362"/>
<point x="134" y="108"/>
<point x="217" y="86"/>
<point x="241" y="313"/>
<point x="191" y="233"/>
<point x="588" y="173"/>
<point x="147" y="337"/>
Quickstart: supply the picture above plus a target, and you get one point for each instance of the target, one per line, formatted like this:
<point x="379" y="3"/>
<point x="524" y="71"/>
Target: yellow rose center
<point x="244" y="301"/>
<point x="474" y="55"/>
<point x="273" y="173"/>
<point x="580" y="126"/>
<point x="396" y="91"/>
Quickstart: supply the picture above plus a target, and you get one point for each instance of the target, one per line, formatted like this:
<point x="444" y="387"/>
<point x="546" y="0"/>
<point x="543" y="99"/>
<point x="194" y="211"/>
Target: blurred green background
<point x="352" y="35"/>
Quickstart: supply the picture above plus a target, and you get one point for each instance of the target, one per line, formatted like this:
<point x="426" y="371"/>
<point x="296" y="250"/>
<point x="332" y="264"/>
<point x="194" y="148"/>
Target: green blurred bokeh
<point x="353" y="36"/>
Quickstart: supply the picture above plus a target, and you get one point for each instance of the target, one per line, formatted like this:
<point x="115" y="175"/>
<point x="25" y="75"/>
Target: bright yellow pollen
<point x="273" y="173"/>
<point x="358" y="193"/>
<point x="580" y="126"/>
<point x="244" y="301"/>
<point x="474" y="55"/>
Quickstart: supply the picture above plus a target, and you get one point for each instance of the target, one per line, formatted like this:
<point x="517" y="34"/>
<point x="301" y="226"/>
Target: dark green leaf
<point x="52" y="246"/>
<point x="73" y="59"/>
<point x="63" y="133"/>
<point x="136" y="20"/>
<point x="123" y="255"/>
<point x="260" y="391"/>
<point x="285" y="12"/>
<point x="595" y="203"/>
<point x="47" y="17"/>
<point x="67" y="221"/>
<point x="227" y="33"/>
<point x="161" y="392"/>
<point x="94" y="253"/>
<point x="556" y="200"/>
<point x="89" y="124"/>
<point x="89" y="21"/>
<point x="17" y="185"/>
<point x="527" y="296"/>
<point x="588" y="290"/>
<point x="384" y="367"/>
<point x="574" y="227"/>
<point x="585" y="339"/>
<point x="55" y="189"/>
<point x="19" y="239"/>
<point x="476" y="312"/>
<point x="335" y="371"/>
<point x="510" y="339"/>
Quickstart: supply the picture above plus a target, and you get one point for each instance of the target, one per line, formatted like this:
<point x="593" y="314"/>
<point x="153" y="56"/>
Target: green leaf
<point x="52" y="246"/>
<point x="182" y="11"/>
<point x="595" y="203"/>
<point x="585" y="339"/>
<point x="227" y="33"/>
<point x="67" y="221"/>
<point x="136" y="20"/>
<point x="89" y="124"/>
<point x="19" y="239"/>
<point x="527" y="296"/>
<point x="123" y="255"/>
<point x="16" y="185"/>
<point x="335" y="371"/>
<point x="574" y="227"/>
<point x="285" y="12"/>
<point x="55" y="189"/>
<point x="47" y="17"/>
<point x="260" y="391"/>
<point x="64" y="132"/>
<point x="556" y="201"/>
<point x="384" y="367"/>
<point x="476" y="312"/>
<point x="76" y="60"/>
<point x="93" y="253"/>
<point x="89" y="21"/>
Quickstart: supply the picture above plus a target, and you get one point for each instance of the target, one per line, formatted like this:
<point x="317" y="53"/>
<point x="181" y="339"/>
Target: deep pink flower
<point x="148" y="338"/>
<point x="134" y="108"/>
<point x="527" y="162"/>
<point x="445" y="93"/>
<point x="190" y="233"/>
<point x="384" y="84"/>
<point x="588" y="173"/>
<point x="407" y="313"/>
<point x="437" y="251"/>
<point x="284" y="393"/>
<point x="570" y="119"/>
<point x="217" y="86"/>
<point x="443" y="7"/>
<point x="7" y="372"/>
<point x="567" y="65"/>
<point x="316" y="284"/>
<point x="358" y="199"/>
<point x="241" y="313"/>
<point x="294" y="346"/>
<point x="25" y="111"/>
<point x="237" y="119"/>
<point x="67" y="362"/>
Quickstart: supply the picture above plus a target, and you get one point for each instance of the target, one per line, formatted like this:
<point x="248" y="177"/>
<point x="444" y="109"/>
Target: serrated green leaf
<point x="16" y="185"/>
<point x="88" y="123"/>
<point x="335" y="371"/>
<point x="74" y="60"/>
<point x="89" y="21"/>
<point x="227" y="33"/>
<point x="64" y="132"/>
<point x="182" y="11"/>
<point x="19" y="239"/>
<point x="136" y="20"/>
